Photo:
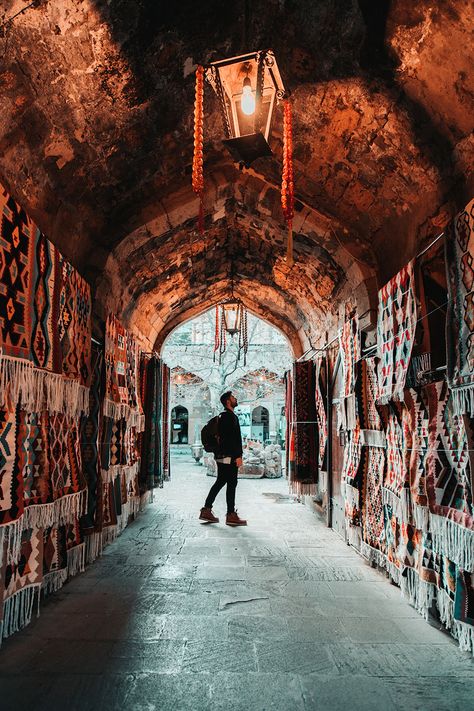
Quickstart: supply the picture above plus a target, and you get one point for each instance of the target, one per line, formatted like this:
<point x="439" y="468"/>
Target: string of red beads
<point x="287" y="185"/>
<point x="198" y="174"/>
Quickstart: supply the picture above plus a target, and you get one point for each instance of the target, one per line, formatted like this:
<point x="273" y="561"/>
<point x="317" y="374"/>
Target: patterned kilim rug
<point x="54" y="558"/>
<point x="11" y="498"/>
<point x="289" y="416"/>
<point x="460" y="325"/>
<point x="121" y="375"/>
<point x="31" y="347"/>
<point x="75" y="345"/>
<point x="370" y="422"/>
<point x="417" y="422"/>
<point x="321" y="417"/>
<point x="67" y="478"/>
<point x="396" y="326"/>
<point x="349" y="344"/>
<point x="304" y="473"/>
<point x="396" y="481"/>
<point x="90" y="442"/>
<point x="22" y="581"/>
<point x="165" y="419"/>
<point x="76" y="549"/>
<point x="449" y="479"/>
<point x="133" y="383"/>
<point x="352" y="476"/>
<point x="373" y="531"/>
<point x="116" y="392"/>
<point x="464" y="597"/>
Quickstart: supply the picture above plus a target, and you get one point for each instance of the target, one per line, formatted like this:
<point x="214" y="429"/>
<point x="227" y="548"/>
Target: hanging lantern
<point x="248" y="88"/>
<point x="231" y="319"/>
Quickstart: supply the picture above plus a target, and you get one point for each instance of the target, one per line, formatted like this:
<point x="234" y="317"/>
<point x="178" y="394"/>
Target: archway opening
<point x="260" y="424"/>
<point x="199" y="377"/>
<point x="179" y="425"/>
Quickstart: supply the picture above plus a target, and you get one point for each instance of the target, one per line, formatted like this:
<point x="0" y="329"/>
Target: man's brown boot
<point x="232" y="519"/>
<point x="207" y="515"/>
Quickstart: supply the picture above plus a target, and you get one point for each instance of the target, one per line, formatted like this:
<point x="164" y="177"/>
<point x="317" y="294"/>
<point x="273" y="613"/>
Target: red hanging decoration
<point x="217" y="333"/>
<point x="198" y="175"/>
<point x="287" y="185"/>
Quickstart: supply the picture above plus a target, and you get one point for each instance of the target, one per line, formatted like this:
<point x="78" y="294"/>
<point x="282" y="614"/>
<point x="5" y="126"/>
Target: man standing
<point x="229" y="459"/>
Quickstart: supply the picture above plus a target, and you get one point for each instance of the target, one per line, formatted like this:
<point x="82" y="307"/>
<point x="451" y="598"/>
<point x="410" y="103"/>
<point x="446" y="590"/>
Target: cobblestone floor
<point x="282" y="615"/>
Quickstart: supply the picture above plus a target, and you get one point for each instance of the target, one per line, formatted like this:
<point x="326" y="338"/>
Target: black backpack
<point x="210" y="435"/>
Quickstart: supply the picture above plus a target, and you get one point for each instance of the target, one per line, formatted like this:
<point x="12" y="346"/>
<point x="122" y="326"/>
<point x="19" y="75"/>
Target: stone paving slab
<point x="281" y="615"/>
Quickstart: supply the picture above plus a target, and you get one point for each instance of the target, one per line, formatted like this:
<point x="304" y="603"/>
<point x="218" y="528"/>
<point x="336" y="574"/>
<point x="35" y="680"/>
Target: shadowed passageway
<point x="279" y="615"/>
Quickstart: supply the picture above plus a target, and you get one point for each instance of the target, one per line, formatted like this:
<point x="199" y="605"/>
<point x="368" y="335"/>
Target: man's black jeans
<point x="226" y="474"/>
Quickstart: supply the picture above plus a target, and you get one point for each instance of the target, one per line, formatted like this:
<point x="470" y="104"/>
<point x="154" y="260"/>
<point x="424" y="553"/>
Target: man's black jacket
<point x="230" y="439"/>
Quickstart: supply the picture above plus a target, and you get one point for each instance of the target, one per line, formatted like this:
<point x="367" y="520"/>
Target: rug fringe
<point x="400" y="505"/>
<point x="18" y="609"/>
<point x="34" y="389"/>
<point x="463" y="400"/>
<point x="52" y="582"/>
<point x="118" y="411"/>
<point x="420" y="515"/>
<point x="94" y="546"/>
<point x="453" y="541"/>
<point x="62" y="511"/>
<point x="76" y="559"/>
<point x="300" y="489"/>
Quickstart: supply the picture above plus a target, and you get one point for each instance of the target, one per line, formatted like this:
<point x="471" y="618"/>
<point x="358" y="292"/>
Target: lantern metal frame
<point x="225" y="76"/>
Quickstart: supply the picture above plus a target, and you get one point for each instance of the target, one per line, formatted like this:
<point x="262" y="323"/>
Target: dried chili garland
<point x="287" y="185"/>
<point x="198" y="175"/>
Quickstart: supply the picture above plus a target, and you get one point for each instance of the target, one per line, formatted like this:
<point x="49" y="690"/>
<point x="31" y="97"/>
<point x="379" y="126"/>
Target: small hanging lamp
<point x="248" y="87"/>
<point x="231" y="320"/>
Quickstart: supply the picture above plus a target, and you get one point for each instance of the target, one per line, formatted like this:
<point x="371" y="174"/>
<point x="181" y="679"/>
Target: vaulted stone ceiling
<point x="96" y="104"/>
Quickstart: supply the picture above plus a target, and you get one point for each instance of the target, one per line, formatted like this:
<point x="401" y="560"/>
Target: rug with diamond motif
<point x="396" y="327"/>
<point x="304" y="473"/>
<point x="459" y="245"/>
<point x="449" y="478"/>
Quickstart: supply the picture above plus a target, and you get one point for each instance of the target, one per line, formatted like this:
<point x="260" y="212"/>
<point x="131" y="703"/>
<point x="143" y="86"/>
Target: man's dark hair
<point x="225" y="397"/>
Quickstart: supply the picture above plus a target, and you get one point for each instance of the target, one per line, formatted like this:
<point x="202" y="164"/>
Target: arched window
<point x="179" y="425"/>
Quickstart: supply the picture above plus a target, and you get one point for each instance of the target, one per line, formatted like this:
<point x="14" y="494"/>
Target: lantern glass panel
<point x="232" y="318"/>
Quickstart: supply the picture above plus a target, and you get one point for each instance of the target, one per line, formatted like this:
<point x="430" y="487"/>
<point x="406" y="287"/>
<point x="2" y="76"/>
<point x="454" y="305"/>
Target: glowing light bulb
<point x="248" y="99"/>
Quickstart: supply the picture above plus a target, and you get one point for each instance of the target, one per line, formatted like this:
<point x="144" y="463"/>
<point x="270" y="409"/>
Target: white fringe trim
<point x="354" y="536"/>
<point x="94" y="546"/>
<point x="62" y="511"/>
<point x="419" y="593"/>
<point x="12" y="540"/>
<point x="453" y="540"/>
<point x="52" y="582"/>
<point x="35" y="389"/>
<point x="299" y="488"/>
<point x="464" y="635"/>
<point x="109" y="475"/>
<point x="117" y="411"/>
<point x="76" y="559"/>
<point x="463" y="400"/>
<point x="420" y="515"/>
<point x="445" y="608"/>
<point x="400" y="505"/>
<point x="351" y="495"/>
<point x="109" y="534"/>
<point x="18" y="609"/>
<point x="374" y="556"/>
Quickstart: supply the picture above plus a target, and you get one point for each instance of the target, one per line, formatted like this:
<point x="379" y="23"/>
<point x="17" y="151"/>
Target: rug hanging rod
<point x="427" y="249"/>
